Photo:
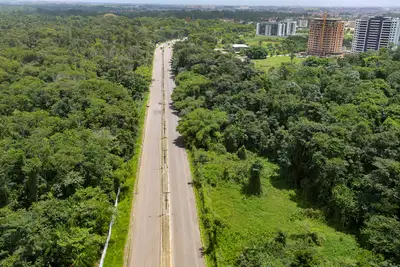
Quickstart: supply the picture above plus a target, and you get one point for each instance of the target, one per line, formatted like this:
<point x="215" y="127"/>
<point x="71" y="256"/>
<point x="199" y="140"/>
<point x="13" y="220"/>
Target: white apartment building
<point x="282" y="28"/>
<point x="375" y="33"/>
<point x="303" y="23"/>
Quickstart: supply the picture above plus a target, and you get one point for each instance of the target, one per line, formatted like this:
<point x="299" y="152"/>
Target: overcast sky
<point x="358" y="3"/>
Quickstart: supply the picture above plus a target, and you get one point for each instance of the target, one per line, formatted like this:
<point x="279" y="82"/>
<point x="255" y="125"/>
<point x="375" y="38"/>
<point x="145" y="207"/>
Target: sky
<point x="347" y="3"/>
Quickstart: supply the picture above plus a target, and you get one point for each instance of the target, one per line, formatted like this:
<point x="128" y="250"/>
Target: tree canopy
<point x="256" y="52"/>
<point x="331" y="124"/>
<point x="71" y="88"/>
<point x="70" y="91"/>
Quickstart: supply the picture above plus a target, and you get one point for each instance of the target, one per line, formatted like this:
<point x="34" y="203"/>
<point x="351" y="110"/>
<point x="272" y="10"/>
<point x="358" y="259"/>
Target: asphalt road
<point x="185" y="234"/>
<point x="145" y="249"/>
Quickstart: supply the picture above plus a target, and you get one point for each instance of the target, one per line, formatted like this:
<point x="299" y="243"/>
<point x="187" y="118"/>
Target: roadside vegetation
<point x="71" y="93"/>
<point x="297" y="166"/>
<point x="245" y="224"/>
<point x="72" y="102"/>
<point x="295" y="161"/>
<point x="121" y="229"/>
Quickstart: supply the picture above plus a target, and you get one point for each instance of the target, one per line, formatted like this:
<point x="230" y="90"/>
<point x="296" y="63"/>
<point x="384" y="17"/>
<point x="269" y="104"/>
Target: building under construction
<point x="326" y="37"/>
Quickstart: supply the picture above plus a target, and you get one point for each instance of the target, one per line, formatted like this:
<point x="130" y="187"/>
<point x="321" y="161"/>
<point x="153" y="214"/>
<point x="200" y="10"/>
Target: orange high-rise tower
<point x="326" y="37"/>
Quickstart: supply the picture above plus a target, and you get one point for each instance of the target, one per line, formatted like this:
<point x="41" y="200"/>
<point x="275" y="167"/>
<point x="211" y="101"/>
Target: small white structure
<point x="239" y="47"/>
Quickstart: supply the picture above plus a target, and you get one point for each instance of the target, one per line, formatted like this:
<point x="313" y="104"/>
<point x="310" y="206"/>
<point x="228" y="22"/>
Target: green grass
<point x="120" y="230"/>
<point x="250" y="220"/>
<point x="252" y="41"/>
<point x="275" y="61"/>
<point x="199" y="205"/>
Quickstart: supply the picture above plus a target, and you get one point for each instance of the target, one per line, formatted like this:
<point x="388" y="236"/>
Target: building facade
<point x="282" y="28"/>
<point x="374" y="33"/>
<point x="325" y="37"/>
<point x="303" y="23"/>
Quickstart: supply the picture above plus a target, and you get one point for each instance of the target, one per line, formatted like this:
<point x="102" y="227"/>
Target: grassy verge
<point x="248" y="221"/>
<point x="276" y="61"/>
<point x="115" y="252"/>
<point x="200" y="208"/>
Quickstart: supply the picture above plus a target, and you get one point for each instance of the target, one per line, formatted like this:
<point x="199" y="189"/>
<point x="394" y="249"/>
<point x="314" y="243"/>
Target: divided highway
<point x="154" y="205"/>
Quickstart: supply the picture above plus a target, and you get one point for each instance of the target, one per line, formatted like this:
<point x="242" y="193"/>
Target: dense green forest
<point x="331" y="126"/>
<point x="157" y="12"/>
<point x="70" y="91"/>
<point x="238" y="16"/>
<point x="295" y="167"/>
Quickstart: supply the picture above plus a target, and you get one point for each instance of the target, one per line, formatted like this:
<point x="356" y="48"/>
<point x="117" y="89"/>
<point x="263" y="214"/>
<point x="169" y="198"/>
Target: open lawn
<point x="265" y="40"/>
<point x="275" y="61"/>
<point x="253" y="220"/>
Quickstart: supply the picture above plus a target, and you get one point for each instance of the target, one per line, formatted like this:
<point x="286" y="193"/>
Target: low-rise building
<point x="239" y="47"/>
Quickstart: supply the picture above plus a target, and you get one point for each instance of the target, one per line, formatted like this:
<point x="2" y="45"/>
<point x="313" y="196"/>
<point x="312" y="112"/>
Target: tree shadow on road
<point x="174" y="110"/>
<point x="179" y="142"/>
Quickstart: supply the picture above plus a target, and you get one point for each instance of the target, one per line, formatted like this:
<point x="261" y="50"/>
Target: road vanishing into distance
<point x="165" y="230"/>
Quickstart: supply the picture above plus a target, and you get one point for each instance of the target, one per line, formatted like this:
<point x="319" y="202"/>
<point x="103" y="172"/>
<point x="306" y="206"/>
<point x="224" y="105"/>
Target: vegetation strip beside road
<point x="199" y="209"/>
<point x="331" y="127"/>
<point x="69" y="112"/>
<point x="295" y="165"/>
<point x="120" y="233"/>
<point x="246" y="221"/>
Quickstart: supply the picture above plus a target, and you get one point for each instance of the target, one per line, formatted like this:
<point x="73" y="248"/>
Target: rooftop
<point x="240" y="46"/>
<point x="328" y="19"/>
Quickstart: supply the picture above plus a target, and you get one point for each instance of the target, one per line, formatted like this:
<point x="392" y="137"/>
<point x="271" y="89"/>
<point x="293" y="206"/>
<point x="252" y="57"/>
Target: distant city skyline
<point x="305" y="3"/>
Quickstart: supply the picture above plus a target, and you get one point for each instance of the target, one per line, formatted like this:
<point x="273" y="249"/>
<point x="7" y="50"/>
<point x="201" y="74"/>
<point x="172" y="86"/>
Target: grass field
<point x="275" y="61"/>
<point x="265" y="40"/>
<point x="249" y="220"/>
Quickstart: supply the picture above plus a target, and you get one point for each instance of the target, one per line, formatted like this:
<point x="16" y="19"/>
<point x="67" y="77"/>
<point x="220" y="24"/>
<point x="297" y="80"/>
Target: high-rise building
<point x="374" y="33"/>
<point x="303" y="23"/>
<point x="325" y="37"/>
<point x="291" y="27"/>
<point x="282" y="28"/>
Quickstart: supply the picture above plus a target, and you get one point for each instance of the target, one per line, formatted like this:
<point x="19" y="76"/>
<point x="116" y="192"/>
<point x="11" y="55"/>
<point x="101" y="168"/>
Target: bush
<point x="304" y="258"/>
<point x="382" y="235"/>
<point x="256" y="52"/>
<point x="242" y="153"/>
<point x="254" y="186"/>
